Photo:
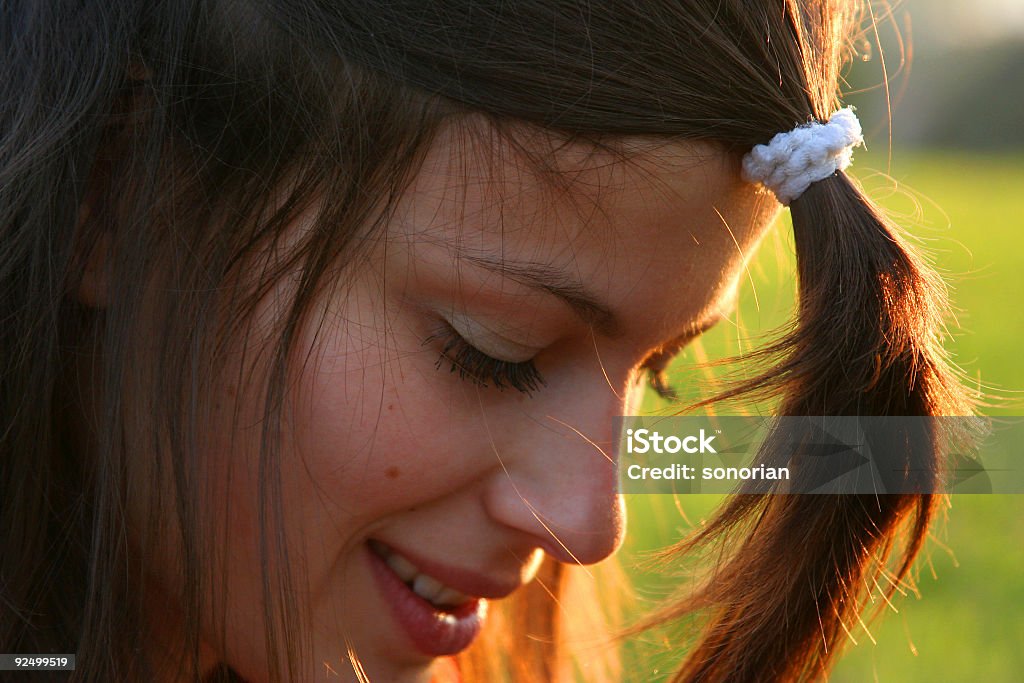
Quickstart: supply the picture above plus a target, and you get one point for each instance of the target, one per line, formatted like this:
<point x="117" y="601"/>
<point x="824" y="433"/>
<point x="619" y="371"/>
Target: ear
<point x="93" y="232"/>
<point x="93" y="287"/>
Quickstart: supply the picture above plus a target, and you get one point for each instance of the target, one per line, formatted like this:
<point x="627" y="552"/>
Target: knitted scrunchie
<point x="791" y="161"/>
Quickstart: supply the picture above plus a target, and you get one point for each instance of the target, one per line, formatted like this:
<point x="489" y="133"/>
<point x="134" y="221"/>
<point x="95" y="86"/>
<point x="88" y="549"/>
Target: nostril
<point x="600" y="537"/>
<point x="580" y="527"/>
<point x="559" y="483"/>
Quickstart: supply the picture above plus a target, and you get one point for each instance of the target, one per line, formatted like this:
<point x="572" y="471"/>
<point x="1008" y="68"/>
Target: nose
<point x="557" y="477"/>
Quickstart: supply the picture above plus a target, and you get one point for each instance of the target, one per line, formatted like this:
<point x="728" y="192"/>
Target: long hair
<point x="197" y="131"/>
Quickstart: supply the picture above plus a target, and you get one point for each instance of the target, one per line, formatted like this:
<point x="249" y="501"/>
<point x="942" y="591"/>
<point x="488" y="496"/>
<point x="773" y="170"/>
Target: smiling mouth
<point x="440" y="596"/>
<point x="437" y="619"/>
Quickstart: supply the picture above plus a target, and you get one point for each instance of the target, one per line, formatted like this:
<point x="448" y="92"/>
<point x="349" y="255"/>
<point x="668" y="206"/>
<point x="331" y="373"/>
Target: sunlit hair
<point x="197" y="131"/>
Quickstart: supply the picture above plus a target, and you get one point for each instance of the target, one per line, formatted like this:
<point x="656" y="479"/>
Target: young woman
<point x="316" y="316"/>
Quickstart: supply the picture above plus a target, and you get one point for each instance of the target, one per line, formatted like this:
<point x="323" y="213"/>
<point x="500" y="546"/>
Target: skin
<point x="379" y="443"/>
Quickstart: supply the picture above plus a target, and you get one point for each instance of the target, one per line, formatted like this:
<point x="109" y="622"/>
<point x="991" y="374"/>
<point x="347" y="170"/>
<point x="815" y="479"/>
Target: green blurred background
<point x="953" y="177"/>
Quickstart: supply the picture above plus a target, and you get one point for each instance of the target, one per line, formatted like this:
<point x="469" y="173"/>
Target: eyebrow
<point x="667" y="351"/>
<point x="557" y="283"/>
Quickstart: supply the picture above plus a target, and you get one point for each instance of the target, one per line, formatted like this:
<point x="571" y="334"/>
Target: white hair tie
<point x="792" y="161"/>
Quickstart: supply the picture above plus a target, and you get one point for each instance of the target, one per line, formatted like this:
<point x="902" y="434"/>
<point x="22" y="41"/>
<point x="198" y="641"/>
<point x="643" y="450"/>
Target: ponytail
<point x="865" y="343"/>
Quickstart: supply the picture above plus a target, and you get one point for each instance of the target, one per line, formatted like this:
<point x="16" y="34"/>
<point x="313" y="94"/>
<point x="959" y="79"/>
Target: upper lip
<point x="463" y="580"/>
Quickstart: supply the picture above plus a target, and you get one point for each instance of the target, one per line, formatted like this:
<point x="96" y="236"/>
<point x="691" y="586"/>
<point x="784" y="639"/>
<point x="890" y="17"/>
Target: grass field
<point x="967" y="213"/>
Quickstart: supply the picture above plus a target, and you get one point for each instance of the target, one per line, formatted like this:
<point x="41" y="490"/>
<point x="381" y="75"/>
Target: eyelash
<point x="655" y="365"/>
<point x="474" y="365"/>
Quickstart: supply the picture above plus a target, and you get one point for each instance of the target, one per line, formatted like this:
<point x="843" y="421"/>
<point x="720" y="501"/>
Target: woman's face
<point x="450" y="418"/>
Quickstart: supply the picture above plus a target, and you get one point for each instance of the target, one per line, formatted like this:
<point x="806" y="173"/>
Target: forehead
<point x="658" y="228"/>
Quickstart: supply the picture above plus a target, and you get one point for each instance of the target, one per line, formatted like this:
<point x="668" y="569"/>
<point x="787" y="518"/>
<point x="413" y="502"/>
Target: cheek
<point x="377" y="428"/>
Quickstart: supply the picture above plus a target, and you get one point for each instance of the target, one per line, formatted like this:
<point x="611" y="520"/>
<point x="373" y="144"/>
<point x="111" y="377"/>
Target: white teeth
<point x="427" y="587"/>
<point x="450" y="597"/>
<point x="405" y="569"/>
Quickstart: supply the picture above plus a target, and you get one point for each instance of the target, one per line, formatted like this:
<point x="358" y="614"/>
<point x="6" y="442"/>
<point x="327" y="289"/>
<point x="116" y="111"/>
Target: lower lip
<point x="435" y="633"/>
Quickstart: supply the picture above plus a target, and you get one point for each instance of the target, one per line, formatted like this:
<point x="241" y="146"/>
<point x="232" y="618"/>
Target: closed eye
<point x="655" y="364"/>
<point x="472" y="364"/>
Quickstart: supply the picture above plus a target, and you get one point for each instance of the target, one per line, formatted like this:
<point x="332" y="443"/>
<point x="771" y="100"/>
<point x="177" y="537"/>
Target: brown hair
<point x="809" y="562"/>
<point x="171" y="118"/>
